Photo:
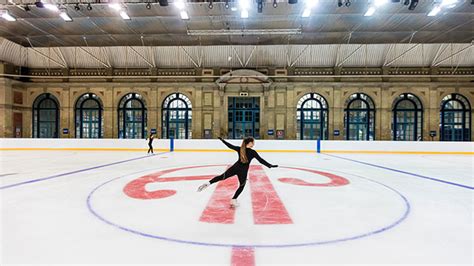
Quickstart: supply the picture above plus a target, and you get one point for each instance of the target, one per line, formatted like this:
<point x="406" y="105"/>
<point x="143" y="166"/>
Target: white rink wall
<point x="261" y="145"/>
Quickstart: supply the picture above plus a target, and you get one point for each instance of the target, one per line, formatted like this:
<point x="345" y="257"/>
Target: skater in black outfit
<point x="240" y="168"/>
<point x="150" y="143"/>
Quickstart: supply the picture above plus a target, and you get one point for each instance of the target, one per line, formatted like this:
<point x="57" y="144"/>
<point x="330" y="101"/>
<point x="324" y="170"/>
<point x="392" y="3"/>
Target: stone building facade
<point x="277" y="93"/>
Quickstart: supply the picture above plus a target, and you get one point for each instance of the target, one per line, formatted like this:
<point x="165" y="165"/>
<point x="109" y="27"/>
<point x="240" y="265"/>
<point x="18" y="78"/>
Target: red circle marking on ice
<point x="335" y="180"/>
<point x="137" y="188"/>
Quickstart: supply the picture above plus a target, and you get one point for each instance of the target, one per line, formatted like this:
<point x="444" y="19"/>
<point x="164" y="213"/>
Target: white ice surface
<point x="49" y="222"/>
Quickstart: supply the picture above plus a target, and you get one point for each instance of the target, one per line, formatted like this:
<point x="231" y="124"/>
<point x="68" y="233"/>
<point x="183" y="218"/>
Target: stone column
<point x="220" y="112"/>
<point x="6" y="114"/>
<point x="338" y="114"/>
<point x="110" y="114"/>
<point x="65" y="112"/>
<point x="197" y="128"/>
<point x="432" y="114"/>
<point x="152" y="111"/>
<point x="290" y="130"/>
<point x="385" y="114"/>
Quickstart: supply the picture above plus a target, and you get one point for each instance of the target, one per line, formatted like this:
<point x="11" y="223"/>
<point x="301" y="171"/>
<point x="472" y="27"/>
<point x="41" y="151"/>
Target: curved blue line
<point x="77" y="171"/>
<point x="403" y="217"/>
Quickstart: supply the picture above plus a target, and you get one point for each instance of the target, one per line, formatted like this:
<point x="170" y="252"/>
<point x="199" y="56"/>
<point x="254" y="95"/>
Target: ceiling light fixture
<point x="6" y="15"/>
<point x="52" y="7"/>
<point x="436" y="9"/>
<point x="449" y="3"/>
<point x="275" y="4"/>
<point x="244" y="8"/>
<point x="39" y="4"/>
<point x="180" y="4"/>
<point x="184" y="15"/>
<point x="379" y="3"/>
<point x="370" y="12"/>
<point x="211" y="5"/>
<point x="77" y="7"/>
<point x="309" y="4"/>
<point x="124" y="15"/>
<point x="413" y="4"/>
<point x="148" y="5"/>
<point x="244" y="13"/>
<point x="89" y="7"/>
<point x="115" y="6"/>
<point x="64" y="15"/>
<point x="244" y="4"/>
<point x="226" y="4"/>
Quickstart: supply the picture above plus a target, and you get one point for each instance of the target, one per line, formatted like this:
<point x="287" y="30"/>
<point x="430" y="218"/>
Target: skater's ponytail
<point x="243" y="147"/>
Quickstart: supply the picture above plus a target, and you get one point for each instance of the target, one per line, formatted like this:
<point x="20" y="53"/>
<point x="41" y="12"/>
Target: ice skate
<point x="203" y="186"/>
<point x="234" y="203"/>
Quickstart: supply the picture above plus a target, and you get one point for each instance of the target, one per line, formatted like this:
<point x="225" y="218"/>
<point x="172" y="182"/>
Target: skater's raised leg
<point x="228" y="173"/>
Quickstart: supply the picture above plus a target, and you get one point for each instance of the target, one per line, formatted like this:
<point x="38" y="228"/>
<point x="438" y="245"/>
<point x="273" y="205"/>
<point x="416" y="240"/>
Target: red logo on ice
<point x="267" y="205"/>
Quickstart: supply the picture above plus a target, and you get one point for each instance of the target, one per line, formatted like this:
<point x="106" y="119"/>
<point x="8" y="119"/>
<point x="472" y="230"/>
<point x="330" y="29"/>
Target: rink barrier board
<point x="226" y="150"/>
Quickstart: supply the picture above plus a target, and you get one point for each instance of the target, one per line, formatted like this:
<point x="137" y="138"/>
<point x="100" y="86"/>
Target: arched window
<point x="312" y="117"/>
<point x="407" y="118"/>
<point x="359" y="117"/>
<point x="132" y="117"/>
<point x="455" y="118"/>
<point x="176" y="117"/>
<point x="88" y="117"/>
<point x="46" y="117"/>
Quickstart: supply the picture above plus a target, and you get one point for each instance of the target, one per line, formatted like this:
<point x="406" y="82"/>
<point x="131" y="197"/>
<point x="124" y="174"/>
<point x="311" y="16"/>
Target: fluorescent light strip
<point x="378" y="3"/>
<point x="124" y="15"/>
<point x="244" y="13"/>
<point x="180" y="4"/>
<point x="370" y="12"/>
<point x="449" y="3"/>
<point x="184" y="15"/>
<point x="115" y="6"/>
<point x="7" y="16"/>
<point x="52" y="7"/>
<point x="64" y="15"/>
<point x="434" y="11"/>
<point x="306" y="12"/>
<point x="311" y="3"/>
<point x="244" y="4"/>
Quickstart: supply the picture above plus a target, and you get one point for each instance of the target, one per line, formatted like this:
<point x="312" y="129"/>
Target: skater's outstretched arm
<point x="232" y="147"/>
<point x="262" y="161"/>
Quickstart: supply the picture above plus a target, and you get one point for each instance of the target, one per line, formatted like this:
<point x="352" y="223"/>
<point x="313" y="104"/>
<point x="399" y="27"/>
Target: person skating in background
<point x="150" y="143"/>
<point x="240" y="168"/>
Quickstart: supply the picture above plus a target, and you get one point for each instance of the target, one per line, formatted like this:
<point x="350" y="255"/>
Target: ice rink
<point x="94" y="207"/>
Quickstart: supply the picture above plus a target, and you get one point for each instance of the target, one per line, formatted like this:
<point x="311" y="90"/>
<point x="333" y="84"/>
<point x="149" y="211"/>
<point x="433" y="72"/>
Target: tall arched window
<point x="88" y="117"/>
<point x="312" y="117"/>
<point x="176" y="117"/>
<point x="46" y="117"/>
<point x="455" y="118"/>
<point x="359" y="117"/>
<point x="407" y="118"/>
<point x="132" y="117"/>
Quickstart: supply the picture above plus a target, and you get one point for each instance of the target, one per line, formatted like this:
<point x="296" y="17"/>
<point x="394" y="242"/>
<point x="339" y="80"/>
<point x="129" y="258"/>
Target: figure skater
<point x="150" y="143"/>
<point x="240" y="168"/>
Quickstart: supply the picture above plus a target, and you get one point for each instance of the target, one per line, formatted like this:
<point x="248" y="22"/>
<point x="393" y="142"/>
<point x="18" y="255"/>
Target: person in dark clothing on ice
<point x="150" y="143"/>
<point x="240" y="168"/>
